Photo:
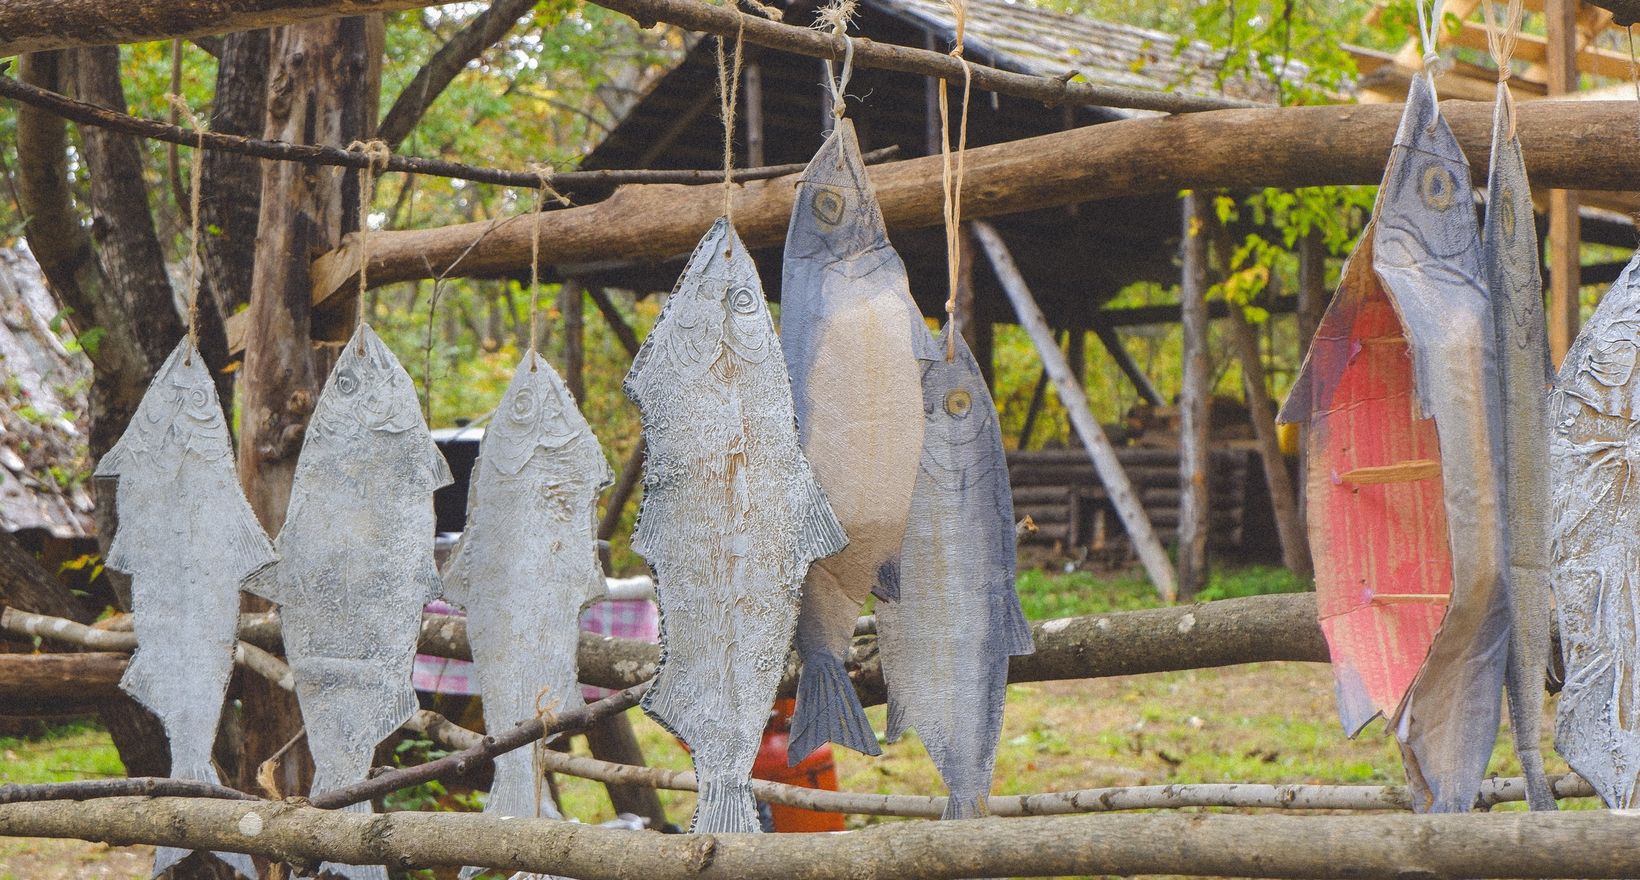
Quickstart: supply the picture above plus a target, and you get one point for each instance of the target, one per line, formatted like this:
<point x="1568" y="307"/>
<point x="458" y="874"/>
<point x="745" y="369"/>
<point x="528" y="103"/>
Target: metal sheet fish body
<point x="1509" y="253"/>
<point x="852" y="337"/>
<point x="945" y="640"/>
<point x="527" y="564"/>
<point x="187" y="537"/>
<point x="1401" y="392"/>
<point x="1596" y="544"/>
<point x="356" y="563"/>
<point x="731" y="518"/>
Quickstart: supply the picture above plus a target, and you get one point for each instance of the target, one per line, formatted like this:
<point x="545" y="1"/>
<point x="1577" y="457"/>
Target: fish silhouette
<point x="356" y="564"/>
<point x="527" y="564"/>
<point x="1593" y="451"/>
<point x="945" y="639"/>
<point x="852" y="337"/>
<point x="1509" y="255"/>
<point x="731" y="518"/>
<point x="187" y="537"/>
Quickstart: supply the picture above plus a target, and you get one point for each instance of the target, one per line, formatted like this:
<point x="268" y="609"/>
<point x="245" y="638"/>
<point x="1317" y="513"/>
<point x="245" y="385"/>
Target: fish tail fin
<point x="827" y="710"/>
<point x="725" y="806"/>
<point x="887" y="588"/>
<point x="964" y="806"/>
<point x="1525" y="720"/>
<point x="166" y="857"/>
<point x="896" y="719"/>
<point x="1013" y="633"/>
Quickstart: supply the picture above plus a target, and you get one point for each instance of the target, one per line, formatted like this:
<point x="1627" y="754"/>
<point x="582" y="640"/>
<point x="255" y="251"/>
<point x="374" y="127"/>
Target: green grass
<point x="80" y="750"/>
<point x="1046" y="595"/>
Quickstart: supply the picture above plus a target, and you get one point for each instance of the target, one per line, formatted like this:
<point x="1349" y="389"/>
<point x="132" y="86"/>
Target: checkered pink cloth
<point x="626" y="618"/>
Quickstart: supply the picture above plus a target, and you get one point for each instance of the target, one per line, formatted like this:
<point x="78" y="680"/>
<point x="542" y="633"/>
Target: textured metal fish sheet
<point x="1509" y="253"/>
<point x="527" y="564"/>
<point x="356" y="564"/>
<point x="731" y="518"/>
<point x="1401" y="391"/>
<point x="1596" y="544"/>
<point x="945" y="638"/>
<point x="187" y="537"/>
<point x="852" y="337"/>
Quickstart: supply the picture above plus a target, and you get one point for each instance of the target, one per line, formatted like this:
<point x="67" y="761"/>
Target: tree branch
<point x="430" y="81"/>
<point x="1517" y="844"/>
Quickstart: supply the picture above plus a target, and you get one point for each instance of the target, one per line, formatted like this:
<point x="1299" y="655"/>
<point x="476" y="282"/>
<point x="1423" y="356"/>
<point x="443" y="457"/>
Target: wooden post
<point x="1076" y="354"/>
<point x="1122" y="497"/>
<point x="1193" y="399"/>
<point x="1039" y="396"/>
<point x="754" y="114"/>
<point x="1312" y="288"/>
<point x="1565" y="232"/>
<point x="571" y="298"/>
<point x="1295" y="548"/>
<point x="1128" y="366"/>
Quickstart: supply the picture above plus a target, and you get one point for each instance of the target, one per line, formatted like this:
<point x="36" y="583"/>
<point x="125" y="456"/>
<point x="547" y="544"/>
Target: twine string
<point x="951" y="180"/>
<point x="543" y="174"/>
<point x="839" y="83"/>
<point x="1500" y="44"/>
<point x="728" y="91"/>
<point x="196" y="172"/>
<point x="377" y="154"/>
<point x="1429" y="33"/>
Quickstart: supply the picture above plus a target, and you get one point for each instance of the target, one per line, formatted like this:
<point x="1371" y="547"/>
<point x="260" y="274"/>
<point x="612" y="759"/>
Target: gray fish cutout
<point x="945" y="639"/>
<point x="187" y="537"/>
<point x="731" y="518"/>
<point x="1426" y="252"/>
<point x="1596" y="544"/>
<point x="527" y="564"/>
<point x="1509" y="253"/>
<point x="852" y="337"/>
<point x="356" y="564"/>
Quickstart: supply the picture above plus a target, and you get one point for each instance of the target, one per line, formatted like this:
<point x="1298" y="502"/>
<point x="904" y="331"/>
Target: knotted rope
<point x="377" y="154"/>
<point x="196" y="172"/>
<point x="950" y="182"/>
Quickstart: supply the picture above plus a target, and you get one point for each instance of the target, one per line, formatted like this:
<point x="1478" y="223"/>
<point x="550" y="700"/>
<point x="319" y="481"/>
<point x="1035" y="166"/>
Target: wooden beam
<point x="1295" y="546"/>
<point x="1586" y="144"/>
<point x="1194" y="396"/>
<point x="1075" y="400"/>
<point x="1129" y="367"/>
<point x="1565" y="236"/>
<point x="40" y="25"/>
<point x="752" y="101"/>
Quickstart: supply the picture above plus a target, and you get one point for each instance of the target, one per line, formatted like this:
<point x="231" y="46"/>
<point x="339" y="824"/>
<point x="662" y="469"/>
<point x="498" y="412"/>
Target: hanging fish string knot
<point x="377" y="154"/>
<point x="196" y="172"/>
<point x="543" y="176"/>
<point x="839" y="83"/>
<point x="836" y="16"/>
<point x="1429" y="34"/>
<point x="546" y="711"/>
<point x="1500" y="44"/>
<point x="728" y="89"/>
<point x="951" y="181"/>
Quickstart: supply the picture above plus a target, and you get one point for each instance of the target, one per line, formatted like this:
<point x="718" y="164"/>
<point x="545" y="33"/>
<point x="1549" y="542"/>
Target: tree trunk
<point x="1194" y="398"/>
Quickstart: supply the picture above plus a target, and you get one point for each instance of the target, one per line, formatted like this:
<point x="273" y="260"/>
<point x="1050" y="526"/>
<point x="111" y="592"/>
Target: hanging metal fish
<point x="731" y="518"/>
<point x="527" y="564"/>
<point x="852" y="337"/>
<point x="187" y="537"/>
<point x="1401" y="393"/>
<point x="1509" y="254"/>
<point x="945" y="638"/>
<point x="1593" y="451"/>
<point x="356" y="564"/>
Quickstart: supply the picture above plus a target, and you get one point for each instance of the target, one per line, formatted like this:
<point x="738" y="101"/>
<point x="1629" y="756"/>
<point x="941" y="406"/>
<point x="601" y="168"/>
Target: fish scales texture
<point x="1596" y="544"/>
<point x="1427" y="254"/>
<point x="1509" y="253"/>
<point x="731" y="518"/>
<point x="188" y="538"/>
<point x="852" y="337"/>
<point x="944" y="642"/>
<point x="527" y="564"/>
<point x="356" y="564"/>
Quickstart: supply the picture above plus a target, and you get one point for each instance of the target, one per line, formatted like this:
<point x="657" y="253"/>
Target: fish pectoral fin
<point x="1012" y="631"/>
<point x="822" y="535"/>
<point x="887" y="588"/>
<point x="453" y="578"/>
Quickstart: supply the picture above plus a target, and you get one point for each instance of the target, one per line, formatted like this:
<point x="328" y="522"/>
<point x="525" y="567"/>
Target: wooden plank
<point x="1565" y="234"/>
<point x="1075" y="400"/>
<point x="1129" y="367"/>
<point x="1194" y="396"/>
<point x="1385" y="474"/>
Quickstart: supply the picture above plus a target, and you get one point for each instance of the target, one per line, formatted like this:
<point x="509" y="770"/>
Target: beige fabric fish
<point x="731" y="518"/>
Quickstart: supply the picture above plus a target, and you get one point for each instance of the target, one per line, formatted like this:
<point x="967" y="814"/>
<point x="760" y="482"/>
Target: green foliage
<point x="1253" y="580"/>
<point x="77" y="750"/>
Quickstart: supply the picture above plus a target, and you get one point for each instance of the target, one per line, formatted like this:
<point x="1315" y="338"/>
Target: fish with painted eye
<point x="527" y="564"/>
<point x="852" y="337"/>
<point x="187" y="537"/>
<point x="731" y="519"/>
<point x="356" y="563"/>
<point x="945" y="639"/>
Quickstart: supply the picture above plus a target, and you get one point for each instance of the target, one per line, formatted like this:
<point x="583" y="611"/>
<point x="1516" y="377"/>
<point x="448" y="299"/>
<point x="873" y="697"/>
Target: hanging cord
<point x="546" y="711"/>
<point x="728" y="90"/>
<point x="837" y="15"/>
<point x="543" y="174"/>
<point x="1500" y="44"/>
<point x="196" y="171"/>
<point x="952" y="183"/>
<point x="1429" y="32"/>
<point x="377" y="153"/>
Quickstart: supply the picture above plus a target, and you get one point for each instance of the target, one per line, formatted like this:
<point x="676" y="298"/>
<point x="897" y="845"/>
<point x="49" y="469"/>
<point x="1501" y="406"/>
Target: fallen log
<point x="1518" y="844"/>
<point x="1582" y="144"/>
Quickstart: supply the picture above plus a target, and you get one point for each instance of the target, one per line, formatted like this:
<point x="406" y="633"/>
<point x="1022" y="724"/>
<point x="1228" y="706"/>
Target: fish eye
<point x="346" y="382"/>
<point x="743" y="300"/>
<point x="958" y="402"/>
<point x="1438" y="188"/>
<point x="197" y="397"/>
<point x="828" y="206"/>
<point x="523" y="406"/>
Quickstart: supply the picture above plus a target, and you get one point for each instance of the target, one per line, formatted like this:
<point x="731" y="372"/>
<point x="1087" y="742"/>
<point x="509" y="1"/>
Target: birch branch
<point x="1398" y="846"/>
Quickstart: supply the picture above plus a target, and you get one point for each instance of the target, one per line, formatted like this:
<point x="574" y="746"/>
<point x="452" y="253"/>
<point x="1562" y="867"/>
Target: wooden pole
<point x="1312" y="288"/>
<point x="1295" y="548"/>
<point x="753" y="108"/>
<point x="571" y="300"/>
<point x="1194" y="399"/>
<point x="1075" y="400"/>
<point x="1565" y="232"/>
<point x="1128" y="366"/>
